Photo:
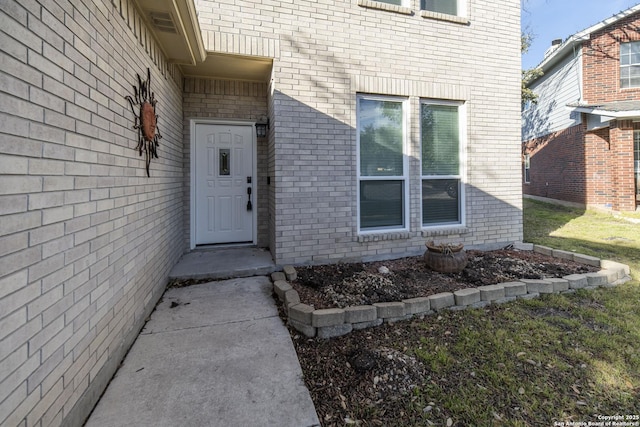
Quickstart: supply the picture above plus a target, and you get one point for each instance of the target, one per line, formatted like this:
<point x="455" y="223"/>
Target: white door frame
<point x="192" y="191"/>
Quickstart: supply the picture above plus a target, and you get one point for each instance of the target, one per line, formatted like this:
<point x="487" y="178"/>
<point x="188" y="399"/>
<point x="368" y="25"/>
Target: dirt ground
<point x="367" y="374"/>
<point x="343" y="285"/>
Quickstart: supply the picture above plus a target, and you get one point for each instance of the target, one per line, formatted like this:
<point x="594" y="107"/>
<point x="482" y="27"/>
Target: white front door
<point x="223" y="174"/>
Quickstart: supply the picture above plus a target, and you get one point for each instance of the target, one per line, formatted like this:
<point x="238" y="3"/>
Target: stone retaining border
<point x="333" y="322"/>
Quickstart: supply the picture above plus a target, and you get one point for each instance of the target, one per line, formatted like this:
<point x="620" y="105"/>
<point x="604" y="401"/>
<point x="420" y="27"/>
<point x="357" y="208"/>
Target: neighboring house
<point x="581" y="141"/>
<point x="386" y="124"/>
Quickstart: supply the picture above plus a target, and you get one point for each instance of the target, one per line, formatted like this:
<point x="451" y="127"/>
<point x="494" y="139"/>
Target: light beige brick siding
<point x="325" y="53"/>
<point x="86" y="238"/>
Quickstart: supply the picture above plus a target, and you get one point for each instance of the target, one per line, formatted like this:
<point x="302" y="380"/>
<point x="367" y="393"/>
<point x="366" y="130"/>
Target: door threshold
<point x="225" y="245"/>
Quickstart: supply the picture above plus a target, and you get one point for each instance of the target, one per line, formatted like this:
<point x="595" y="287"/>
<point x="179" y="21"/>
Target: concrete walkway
<point x="214" y="354"/>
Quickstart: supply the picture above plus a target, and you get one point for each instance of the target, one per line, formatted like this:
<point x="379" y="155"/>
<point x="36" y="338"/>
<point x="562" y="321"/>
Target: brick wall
<point x="557" y="165"/>
<point x="621" y="165"/>
<point x="86" y="238"/>
<point x="598" y="168"/>
<point x="601" y="62"/>
<point x="326" y="52"/>
<point x="593" y="168"/>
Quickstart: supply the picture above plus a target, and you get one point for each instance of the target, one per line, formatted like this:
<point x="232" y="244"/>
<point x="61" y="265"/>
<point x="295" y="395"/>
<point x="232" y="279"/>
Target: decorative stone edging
<point x="333" y="322"/>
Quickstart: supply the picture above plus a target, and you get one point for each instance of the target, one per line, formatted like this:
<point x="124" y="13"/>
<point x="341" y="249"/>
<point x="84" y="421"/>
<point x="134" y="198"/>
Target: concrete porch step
<point x="224" y="263"/>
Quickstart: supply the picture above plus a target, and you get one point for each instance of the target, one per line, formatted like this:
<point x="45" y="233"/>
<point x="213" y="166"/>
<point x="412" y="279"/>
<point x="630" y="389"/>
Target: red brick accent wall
<point x="621" y="165"/>
<point x="591" y="168"/>
<point x="557" y="166"/>
<point x="598" y="172"/>
<point x="601" y="62"/>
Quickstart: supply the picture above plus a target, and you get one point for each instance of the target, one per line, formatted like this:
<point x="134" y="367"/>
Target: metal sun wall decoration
<point x="146" y="119"/>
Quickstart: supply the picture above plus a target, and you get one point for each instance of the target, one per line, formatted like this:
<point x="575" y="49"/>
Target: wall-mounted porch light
<point x="262" y="124"/>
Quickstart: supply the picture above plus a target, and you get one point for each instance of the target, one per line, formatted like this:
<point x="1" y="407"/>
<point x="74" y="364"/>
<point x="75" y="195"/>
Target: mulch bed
<point x="343" y="285"/>
<point x="366" y="378"/>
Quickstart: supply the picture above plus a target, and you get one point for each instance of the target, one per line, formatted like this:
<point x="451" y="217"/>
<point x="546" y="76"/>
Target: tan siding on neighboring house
<point x="555" y="90"/>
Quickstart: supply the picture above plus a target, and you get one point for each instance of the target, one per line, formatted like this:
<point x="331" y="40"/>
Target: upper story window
<point x="629" y="65"/>
<point x="396" y="2"/>
<point x="449" y="7"/>
<point x="445" y="10"/>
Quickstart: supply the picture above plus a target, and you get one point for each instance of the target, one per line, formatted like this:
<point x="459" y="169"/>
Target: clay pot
<point x="445" y="258"/>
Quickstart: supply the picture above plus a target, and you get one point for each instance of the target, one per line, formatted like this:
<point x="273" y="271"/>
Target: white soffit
<point x="231" y="67"/>
<point x="174" y="25"/>
<point x="609" y="114"/>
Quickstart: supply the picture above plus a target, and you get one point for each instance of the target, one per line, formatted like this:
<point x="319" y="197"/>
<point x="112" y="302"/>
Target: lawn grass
<point x="554" y="359"/>
<point x="560" y="358"/>
<point x="588" y="232"/>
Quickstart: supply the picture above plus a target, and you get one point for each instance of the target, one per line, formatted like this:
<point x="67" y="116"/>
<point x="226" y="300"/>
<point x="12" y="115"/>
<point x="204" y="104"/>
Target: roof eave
<point x="182" y="43"/>
<point x="561" y="52"/>
<point x="631" y="114"/>
<point x="568" y="46"/>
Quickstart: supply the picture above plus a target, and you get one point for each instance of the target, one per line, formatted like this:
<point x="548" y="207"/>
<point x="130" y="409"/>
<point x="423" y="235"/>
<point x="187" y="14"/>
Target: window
<point x="629" y="65"/>
<point x="527" y="167"/>
<point x="382" y="169"/>
<point x="449" y="7"/>
<point x="442" y="144"/>
<point x="396" y="6"/>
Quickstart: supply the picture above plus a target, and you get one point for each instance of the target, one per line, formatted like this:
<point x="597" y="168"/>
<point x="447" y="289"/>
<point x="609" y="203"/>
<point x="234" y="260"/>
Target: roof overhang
<point x="174" y="25"/>
<point x="231" y="67"/>
<point x="566" y="48"/>
<point x="619" y="110"/>
<point x="599" y="115"/>
<point x="618" y="115"/>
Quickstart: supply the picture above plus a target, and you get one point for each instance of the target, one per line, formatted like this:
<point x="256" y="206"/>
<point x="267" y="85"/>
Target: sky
<point x="559" y="19"/>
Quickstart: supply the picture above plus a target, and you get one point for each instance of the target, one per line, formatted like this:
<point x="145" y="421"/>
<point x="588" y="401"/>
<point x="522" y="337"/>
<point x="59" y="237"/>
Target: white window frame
<point x="462" y="172"/>
<point x="405" y="163"/>
<point x="629" y="65"/>
<point x="404" y="8"/>
<point x="527" y="169"/>
<point x="461" y="9"/>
